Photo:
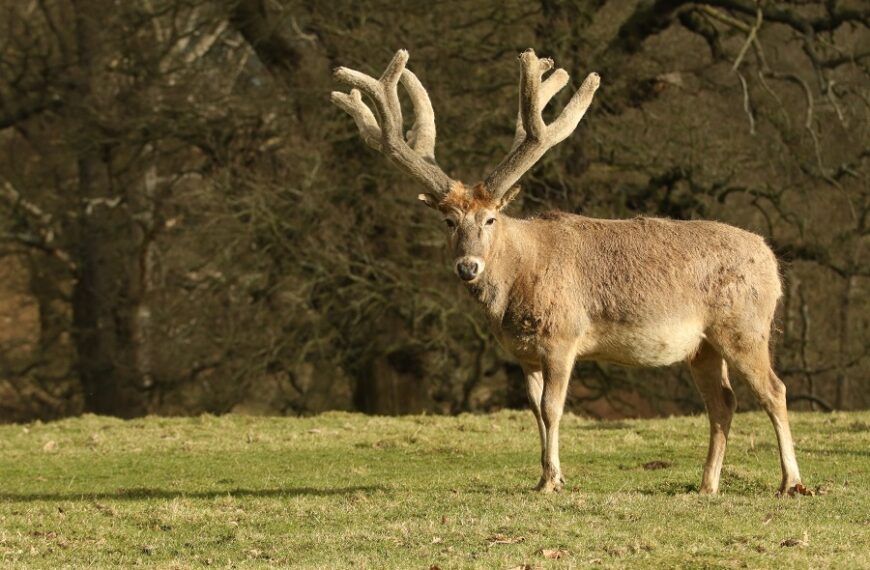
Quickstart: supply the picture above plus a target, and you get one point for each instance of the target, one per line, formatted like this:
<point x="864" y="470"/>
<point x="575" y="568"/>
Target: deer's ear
<point x="508" y="197"/>
<point x="429" y="200"/>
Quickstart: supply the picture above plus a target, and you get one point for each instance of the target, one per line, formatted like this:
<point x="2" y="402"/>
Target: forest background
<point x="187" y="224"/>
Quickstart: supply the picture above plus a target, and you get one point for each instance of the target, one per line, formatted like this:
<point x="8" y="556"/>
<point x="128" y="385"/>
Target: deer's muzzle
<point x="469" y="268"/>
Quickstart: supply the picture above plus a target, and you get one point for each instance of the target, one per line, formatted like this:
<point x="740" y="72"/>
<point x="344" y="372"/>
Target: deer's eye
<point x="450" y="223"/>
<point x="490" y="221"/>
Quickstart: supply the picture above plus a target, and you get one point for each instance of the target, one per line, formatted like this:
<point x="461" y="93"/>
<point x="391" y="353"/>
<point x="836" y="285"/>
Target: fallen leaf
<point x="553" y="554"/>
<point x="50" y="446"/>
<point x="504" y="539"/>
<point x="658" y="464"/>
<point x="767" y="518"/>
<point x="434" y="567"/>
<point x="437" y="540"/>
<point x="799" y="489"/>
<point x="800" y="542"/>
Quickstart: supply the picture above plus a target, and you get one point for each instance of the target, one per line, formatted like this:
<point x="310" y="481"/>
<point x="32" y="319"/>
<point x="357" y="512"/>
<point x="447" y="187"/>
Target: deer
<point x="561" y="287"/>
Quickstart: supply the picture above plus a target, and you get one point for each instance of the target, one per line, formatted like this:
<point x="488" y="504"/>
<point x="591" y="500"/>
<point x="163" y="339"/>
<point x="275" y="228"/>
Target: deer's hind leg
<point x="710" y="374"/>
<point x="748" y="354"/>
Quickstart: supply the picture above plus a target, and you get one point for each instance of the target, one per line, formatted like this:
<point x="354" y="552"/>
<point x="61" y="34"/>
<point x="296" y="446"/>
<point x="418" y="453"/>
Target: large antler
<point x="416" y="155"/>
<point x="534" y="137"/>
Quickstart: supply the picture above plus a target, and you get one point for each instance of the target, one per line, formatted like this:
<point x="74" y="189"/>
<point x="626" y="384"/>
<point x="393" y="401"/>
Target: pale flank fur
<point x="562" y="287"/>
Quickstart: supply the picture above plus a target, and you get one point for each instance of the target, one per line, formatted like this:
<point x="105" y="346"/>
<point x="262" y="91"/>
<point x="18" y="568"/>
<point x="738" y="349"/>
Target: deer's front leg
<point x="556" y="372"/>
<point x="535" y="391"/>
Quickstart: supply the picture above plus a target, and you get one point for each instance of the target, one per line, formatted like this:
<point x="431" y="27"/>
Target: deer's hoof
<point x="550" y="485"/>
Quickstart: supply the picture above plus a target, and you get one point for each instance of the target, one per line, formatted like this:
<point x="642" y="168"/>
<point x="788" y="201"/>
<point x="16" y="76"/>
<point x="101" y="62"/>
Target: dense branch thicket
<point x="187" y="224"/>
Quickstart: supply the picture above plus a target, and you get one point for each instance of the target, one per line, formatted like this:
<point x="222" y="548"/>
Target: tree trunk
<point x="268" y="40"/>
<point x="103" y="312"/>
<point x="103" y="308"/>
<point x="842" y="401"/>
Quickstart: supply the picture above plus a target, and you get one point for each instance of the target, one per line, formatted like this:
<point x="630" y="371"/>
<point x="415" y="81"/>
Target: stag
<point x="562" y="287"/>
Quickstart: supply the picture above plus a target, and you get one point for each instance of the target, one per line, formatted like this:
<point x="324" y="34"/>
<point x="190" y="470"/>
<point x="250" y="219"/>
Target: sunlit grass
<point x="343" y="490"/>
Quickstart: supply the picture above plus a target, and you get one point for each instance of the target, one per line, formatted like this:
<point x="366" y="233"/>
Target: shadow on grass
<point x="671" y="488"/>
<point x="853" y="452"/>
<point x="139" y="493"/>
<point x="605" y="425"/>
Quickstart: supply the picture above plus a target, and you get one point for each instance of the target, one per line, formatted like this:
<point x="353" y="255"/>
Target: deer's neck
<point x="513" y="252"/>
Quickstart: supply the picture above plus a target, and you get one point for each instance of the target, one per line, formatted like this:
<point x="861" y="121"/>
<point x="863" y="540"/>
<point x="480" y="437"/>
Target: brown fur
<point x="464" y="198"/>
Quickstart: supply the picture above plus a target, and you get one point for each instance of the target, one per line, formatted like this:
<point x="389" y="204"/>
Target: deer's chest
<point x="526" y="330"/>
<point x="526" y="322"/>
<point x="521" y="335"/>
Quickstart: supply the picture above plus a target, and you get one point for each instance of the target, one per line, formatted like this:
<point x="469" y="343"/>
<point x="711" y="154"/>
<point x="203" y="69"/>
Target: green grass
<point x="343" y="490"/>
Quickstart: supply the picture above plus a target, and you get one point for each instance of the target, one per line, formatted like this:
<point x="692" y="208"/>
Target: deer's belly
<point x="656" y="344"/>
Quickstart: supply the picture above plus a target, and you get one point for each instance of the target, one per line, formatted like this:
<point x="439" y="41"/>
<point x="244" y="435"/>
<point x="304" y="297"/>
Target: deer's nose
<point x="468" y="268"/>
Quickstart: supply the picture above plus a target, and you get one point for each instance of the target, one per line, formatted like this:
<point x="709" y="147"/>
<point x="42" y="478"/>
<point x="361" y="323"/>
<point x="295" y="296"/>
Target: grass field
<point x="342" y="490"/>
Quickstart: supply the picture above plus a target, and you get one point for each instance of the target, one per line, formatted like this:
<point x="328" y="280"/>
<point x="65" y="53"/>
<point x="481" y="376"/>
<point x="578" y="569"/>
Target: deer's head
<point x="470" y="213"/>
<point x="471" y="219"/>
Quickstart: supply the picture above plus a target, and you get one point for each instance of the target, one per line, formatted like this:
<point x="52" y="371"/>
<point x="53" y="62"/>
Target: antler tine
<point x="531" y="71"/>
<point x="353" y="105"/>
<point x="392" y="112"/>
<point x="549" y="87"/>
<point x="534" y="137"/>
<point x="421" y="137"/>
<point x="387" y="137"/>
